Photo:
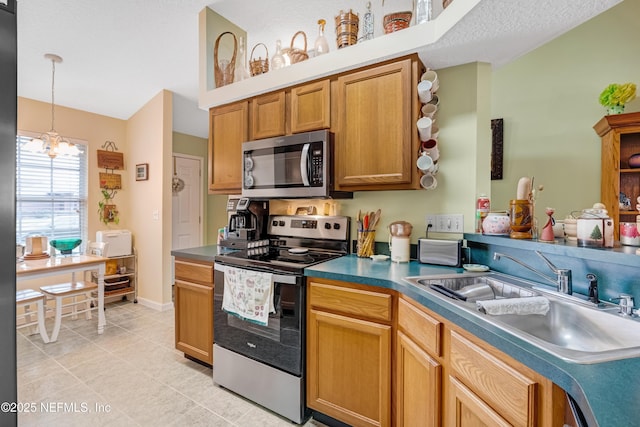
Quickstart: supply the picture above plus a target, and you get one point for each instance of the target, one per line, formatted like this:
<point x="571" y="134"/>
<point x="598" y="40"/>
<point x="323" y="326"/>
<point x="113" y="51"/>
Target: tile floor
<point x="131" y="375"/>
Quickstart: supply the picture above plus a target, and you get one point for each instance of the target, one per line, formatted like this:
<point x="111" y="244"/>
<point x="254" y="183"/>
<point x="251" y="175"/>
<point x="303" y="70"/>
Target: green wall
<point x="549" y="102"/>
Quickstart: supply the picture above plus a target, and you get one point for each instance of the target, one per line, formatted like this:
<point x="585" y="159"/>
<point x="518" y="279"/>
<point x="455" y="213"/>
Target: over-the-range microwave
<point x="293" y="166"/>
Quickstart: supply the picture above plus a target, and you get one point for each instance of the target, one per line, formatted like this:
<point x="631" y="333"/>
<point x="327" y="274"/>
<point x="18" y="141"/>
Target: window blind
<point x="51" y="194"/>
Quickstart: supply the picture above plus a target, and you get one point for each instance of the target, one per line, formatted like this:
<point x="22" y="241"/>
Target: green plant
<point x="617" y="94"/>
<point x="106" y="209"/>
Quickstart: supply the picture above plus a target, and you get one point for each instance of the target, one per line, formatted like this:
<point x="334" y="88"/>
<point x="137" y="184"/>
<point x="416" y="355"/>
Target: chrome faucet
<point x="563" y="275"/>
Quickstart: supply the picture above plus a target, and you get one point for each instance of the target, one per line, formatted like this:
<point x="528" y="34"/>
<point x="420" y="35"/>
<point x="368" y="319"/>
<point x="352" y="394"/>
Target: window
<point x="51" y="194"/>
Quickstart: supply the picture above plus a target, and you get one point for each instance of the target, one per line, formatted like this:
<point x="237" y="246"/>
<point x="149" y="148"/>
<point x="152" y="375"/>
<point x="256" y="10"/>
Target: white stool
<point x="71" y="290"/>
<point x="25" y="299"/>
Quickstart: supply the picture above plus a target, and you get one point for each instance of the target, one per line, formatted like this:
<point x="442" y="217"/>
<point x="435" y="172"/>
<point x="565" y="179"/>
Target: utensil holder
<point x="521" y="219"/>
<point x="365" y="243"/>
<point x="224" y="75"/>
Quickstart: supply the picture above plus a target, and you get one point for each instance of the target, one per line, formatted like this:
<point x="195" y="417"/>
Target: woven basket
<point x="259" y="66"/>
<point x="224" y="76"/>
<point x="396" y="21"/>
<point x="297" y="55"/>
<point x="346" y="28"/>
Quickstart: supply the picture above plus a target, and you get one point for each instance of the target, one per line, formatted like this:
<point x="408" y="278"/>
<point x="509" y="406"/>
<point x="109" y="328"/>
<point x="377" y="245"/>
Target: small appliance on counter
<point x="119" y="241"/>
<point x="440" y="252"/>
<point x="400" y="241"/>
<point x="247" y="228"/>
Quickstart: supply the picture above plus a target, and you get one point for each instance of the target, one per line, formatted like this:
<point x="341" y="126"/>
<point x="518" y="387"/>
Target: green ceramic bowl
<point x="65" y="246"/>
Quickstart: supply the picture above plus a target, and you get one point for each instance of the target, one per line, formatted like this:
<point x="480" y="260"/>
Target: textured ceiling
<point x="118" y="54"/>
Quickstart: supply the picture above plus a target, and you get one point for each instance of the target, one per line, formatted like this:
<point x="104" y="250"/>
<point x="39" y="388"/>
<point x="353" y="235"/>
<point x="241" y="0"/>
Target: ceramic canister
<point x="629" y="233"/>
<point x="496" y="223"/>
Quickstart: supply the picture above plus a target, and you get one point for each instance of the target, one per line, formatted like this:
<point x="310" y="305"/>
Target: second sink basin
<point x="570" y="330"/>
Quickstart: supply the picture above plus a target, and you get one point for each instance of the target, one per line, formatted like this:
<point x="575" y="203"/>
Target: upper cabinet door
<point x="376" y="143"/>
<point x="228" y="130"/>
<point x="310" y="107"/>
<point x="268" y="115"/>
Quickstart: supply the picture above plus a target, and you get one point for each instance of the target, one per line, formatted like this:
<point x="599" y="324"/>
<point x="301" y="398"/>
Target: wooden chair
<point x="26" y="298"/>
<point x="74" y="289"/>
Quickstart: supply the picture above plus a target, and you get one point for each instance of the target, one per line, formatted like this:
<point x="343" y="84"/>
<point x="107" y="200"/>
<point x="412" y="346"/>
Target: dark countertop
<point x="607" y="392"/>
<point x="201" y="253"/>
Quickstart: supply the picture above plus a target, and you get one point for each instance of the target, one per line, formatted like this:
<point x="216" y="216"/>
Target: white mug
<point x="435" y="131"/>
<point x="428" y="182"/>
<point x="432" y="77"/>
<point x="424" y="128"/>
<point x="424" y="91"/>
<point x="425" y="163"/>
<point x="430" y="147"/>
<point x="429" y="110"/>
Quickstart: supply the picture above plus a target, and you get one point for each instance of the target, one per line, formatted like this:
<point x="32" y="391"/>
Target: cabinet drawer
<point x="193" y="271"/>
<point x="506" y="390"/>
<point x="422" y="328"/>
<point x="357" y="302"/>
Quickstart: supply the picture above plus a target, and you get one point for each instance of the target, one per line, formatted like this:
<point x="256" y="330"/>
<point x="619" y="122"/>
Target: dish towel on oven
<point x="248" y="294"/>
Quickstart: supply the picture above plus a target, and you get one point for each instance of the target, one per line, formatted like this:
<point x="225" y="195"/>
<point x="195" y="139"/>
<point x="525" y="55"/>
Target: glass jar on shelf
<point x="278" y="60"/>
<point x="321" y="44"/>
<point x="241" y="72"/>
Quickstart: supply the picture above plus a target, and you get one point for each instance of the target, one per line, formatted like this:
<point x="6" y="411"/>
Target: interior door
<point x="187" y="204"/>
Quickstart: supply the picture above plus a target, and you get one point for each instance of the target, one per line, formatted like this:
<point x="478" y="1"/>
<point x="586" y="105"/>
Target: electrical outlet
<point x="432" y="220"/>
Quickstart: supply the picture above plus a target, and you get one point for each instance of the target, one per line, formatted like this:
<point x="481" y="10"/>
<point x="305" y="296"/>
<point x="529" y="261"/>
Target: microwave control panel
<point x="317" y="164"/>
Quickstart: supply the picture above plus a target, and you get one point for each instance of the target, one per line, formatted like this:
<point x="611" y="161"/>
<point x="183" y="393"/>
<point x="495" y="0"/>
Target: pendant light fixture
<point x="51" y="142"/>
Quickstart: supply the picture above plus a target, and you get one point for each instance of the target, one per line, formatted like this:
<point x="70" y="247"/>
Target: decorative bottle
<point x="423" y="11"/>
<point x="278" y="59"/>
<point x="367" y="24"/>
<point x="241" y="72"/>
<point x="321" y="45"/>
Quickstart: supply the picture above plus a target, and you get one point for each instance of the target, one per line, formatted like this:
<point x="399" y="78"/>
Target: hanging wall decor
<point x="110" y="160"/>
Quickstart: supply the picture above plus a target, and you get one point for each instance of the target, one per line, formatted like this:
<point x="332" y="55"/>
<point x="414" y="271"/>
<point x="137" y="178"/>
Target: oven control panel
<point x="310" y="226"/>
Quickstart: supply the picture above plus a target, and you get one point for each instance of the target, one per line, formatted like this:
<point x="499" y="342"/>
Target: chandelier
<point x="51" y="142"/>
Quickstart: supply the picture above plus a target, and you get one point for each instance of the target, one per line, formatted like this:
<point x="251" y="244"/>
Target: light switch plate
<point x="445" y="223"/>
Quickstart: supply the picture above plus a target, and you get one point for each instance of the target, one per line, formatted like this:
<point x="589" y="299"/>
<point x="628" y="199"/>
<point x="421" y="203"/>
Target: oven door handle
<point x="304" y="162"/>
<point x="277" y="278"/>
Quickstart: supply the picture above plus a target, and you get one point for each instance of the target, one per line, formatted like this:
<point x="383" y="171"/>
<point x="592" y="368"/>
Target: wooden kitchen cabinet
<point x="418" y="371"/>
<point x="376" y="141"/>
<point x="484" y="390"/>
<point x="311" y="107"/>
<point x="228" y="129"/>
<point x="349" y="353"/>
<point x="194" y="308"/>
<point x="620" y="138"/>
<point x="268" y="115"/>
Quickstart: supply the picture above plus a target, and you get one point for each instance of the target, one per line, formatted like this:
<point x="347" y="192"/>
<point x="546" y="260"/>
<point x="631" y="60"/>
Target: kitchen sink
<point x="574" y="330"/>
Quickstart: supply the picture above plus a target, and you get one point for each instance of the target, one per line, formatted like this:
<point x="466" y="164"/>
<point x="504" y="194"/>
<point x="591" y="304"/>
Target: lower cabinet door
<point x="349" y="369"/>
<point x="418" y="385"/>
<point x="194" y="320"/>
<point x="466" y="409"/>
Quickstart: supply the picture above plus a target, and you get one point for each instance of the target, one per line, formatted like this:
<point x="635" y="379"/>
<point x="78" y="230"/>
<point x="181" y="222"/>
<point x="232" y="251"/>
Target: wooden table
<point x="57" y="265"/>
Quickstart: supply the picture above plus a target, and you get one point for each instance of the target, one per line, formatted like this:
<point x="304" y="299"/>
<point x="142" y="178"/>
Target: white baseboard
<point x="155" y="305"/>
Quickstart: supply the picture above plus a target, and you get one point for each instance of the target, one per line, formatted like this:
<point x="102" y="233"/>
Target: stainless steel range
<point x="263" y="357"/>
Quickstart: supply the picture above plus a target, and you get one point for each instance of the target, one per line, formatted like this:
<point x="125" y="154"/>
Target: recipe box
<point x="119" y="242"/>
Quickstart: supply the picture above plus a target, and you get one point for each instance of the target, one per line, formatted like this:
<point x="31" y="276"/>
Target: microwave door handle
<point x="304" y="162"/>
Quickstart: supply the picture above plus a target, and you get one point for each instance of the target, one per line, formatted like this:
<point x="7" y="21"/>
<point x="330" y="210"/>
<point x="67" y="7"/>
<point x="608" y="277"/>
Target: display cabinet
<point x="620" y="180"/>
